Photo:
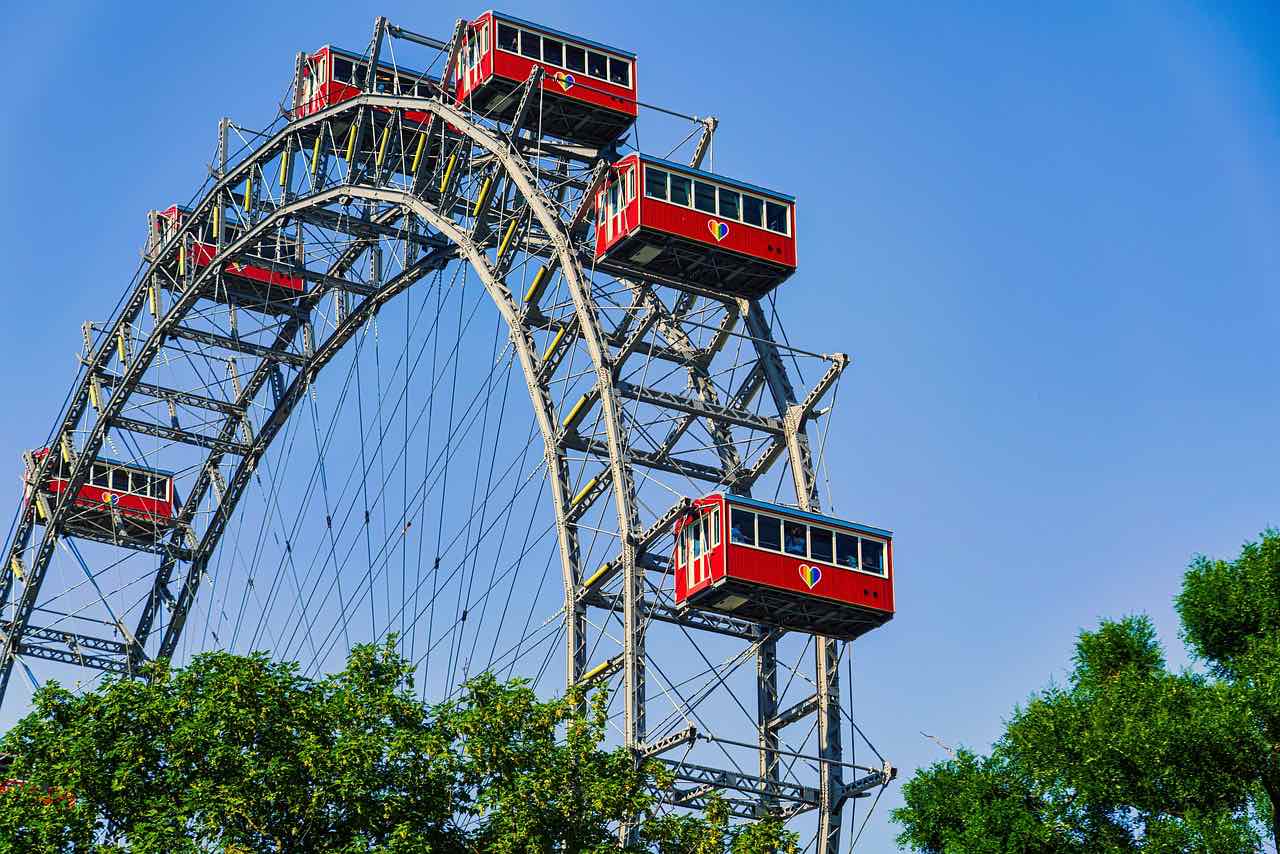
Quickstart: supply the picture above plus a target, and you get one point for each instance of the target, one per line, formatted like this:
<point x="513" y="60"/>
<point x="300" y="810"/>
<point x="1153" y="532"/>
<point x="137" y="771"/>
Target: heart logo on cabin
<point x="565" y="80"/>
<point x="719" y="230"/>
<point x="110" y="498"/>
<point x="810" y="575"/>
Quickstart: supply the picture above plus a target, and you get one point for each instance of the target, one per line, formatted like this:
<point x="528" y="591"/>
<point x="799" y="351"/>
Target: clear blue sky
<point x="1047" y="239"/>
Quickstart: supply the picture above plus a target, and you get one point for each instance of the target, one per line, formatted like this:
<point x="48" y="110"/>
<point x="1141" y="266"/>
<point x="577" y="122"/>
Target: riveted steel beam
<point x="67" y="647"/>
<point x="680" y="403"/>
<point x="185" y="398"/>
<point x="174" y="434"/>
<point x="785" y="790"/>
<point x="688" y="735"/>
<point x="797" y="712"/>
<point x="647" y="459"/>
<point x="235" y="345"/>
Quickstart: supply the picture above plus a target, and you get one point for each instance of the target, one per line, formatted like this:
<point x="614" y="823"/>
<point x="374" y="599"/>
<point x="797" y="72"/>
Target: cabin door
<point x="308" y="90"/>
<point x="613" y="204"/>
<point x="613" y="225"/>
<point x="474" y="52"/>
<point x="626" y="191"/>
<point x="702" y="537"/>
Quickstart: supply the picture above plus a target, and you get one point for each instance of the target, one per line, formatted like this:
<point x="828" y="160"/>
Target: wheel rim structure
<point x="643" y="393"/>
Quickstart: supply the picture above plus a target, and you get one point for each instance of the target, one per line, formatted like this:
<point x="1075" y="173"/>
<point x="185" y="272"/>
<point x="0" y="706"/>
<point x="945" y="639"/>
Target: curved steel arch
<point x="606" y="351"/>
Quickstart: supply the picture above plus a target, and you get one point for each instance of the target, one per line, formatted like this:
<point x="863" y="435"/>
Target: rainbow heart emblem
<point x="719" y="230"/>
<point x="565" y="80"/>
<point x="810" y="575"/>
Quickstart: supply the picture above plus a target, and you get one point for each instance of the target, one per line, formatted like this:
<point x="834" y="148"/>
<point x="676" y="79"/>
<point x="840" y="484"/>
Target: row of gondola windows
<point x="134" y="482"/>
<point x="563" y="55"/>
<point x="718" y="201"/>
<point x="354" y="74"/>
<point x="815" y="542"/>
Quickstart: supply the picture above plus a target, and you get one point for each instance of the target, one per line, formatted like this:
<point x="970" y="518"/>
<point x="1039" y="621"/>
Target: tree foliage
<point x="238" y="754"/>
<point x="1129" y="756"/>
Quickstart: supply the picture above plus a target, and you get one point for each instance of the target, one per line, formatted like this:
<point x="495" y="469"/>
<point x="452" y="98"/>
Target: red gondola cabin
<point x="245" y="281"/>
<point x="140" y="499"/>
<point x="332" y="75"/>
<point x="588" y="89"/>
<point x="784" y="567"/>
<point x="670" y="221"/>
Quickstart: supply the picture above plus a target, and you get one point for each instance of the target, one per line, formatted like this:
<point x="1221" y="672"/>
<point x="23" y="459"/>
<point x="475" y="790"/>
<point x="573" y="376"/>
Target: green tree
<point x="238" y="754"/>
<point x="1230" y="614"/>
<point x="1129" y="756"/>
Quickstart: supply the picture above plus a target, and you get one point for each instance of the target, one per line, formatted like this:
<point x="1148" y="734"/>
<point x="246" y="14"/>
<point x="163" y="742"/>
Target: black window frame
<point x="580" y="65"/>
<point x="603" y="74"/>
<point x="559" y="60"/>
<point x="748" y="534"/>
<point x="507" y="29"/>
<point x="687" y="185"/>
<point x="529" y="52"/>
<point x="764" y="521"/>
<point x="625" y="66"/>
<point x="341" y="62"/>
<point x="726" y="192"/>
<point x="747" y="200"/>
<point x="804" y="538"/>
<point x="697" y="185"/>
<point x="650" y="173"/>
<point x="817" y="534"/>
<point x="881" y="567"/>
<point x="851" y="539"/>
<point x="769" y="209"/>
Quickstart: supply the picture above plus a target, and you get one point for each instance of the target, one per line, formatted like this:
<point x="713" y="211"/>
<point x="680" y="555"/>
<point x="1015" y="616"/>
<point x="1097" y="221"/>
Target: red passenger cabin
<point x="332" y="75"/>
<point x="118" y="498"/>
<point x="588" y="89"/>
<point x="661" y="219"/>
<point x="784" y="567"/>
<point x="253" y="278"/>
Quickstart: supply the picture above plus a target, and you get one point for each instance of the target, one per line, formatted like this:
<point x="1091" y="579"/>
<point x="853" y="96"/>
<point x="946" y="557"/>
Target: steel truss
<point x="721" y="411"/>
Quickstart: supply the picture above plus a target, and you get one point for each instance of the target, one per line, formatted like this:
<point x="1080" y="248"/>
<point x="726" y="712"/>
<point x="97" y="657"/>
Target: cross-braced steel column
<point x="827" y="655"/>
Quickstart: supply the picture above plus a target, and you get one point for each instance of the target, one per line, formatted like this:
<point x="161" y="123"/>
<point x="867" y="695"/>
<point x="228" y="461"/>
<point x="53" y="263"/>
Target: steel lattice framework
<point x="620" y="370"/>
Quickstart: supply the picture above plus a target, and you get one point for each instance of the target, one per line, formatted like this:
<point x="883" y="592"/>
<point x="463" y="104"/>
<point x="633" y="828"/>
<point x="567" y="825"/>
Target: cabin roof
<point x="784" y="510"/>
<point x="115" y="462"/>
<point x="402" y="70"/>
<point x="711" y="176"/>
<point x="569" y="37"/>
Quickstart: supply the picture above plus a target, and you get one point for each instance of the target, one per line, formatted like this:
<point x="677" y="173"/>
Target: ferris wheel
<point x="301" y="428"/>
